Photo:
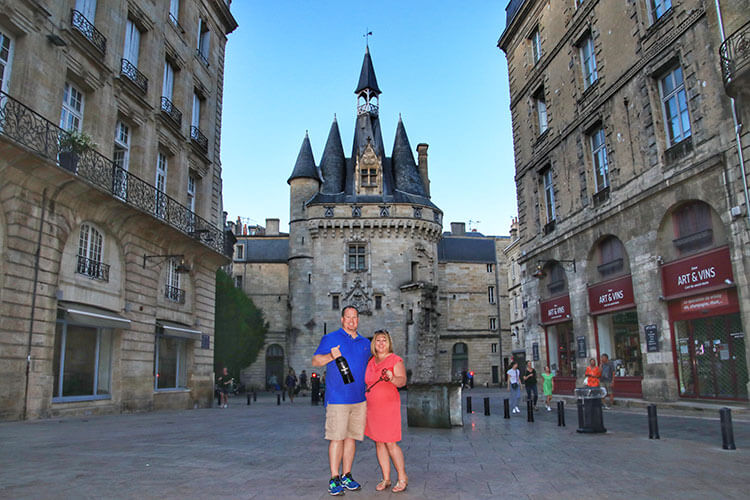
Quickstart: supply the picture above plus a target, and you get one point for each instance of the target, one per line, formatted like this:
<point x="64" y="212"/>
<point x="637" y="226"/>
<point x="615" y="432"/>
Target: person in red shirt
<point x="593" y="373"/>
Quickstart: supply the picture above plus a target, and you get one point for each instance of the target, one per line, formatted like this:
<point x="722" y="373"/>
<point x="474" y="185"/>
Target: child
<point x="548" y="386"/>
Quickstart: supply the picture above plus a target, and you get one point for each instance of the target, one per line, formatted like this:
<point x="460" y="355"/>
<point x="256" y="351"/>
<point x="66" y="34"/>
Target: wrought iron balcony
<point x="176" y="23"/>
<point x="130" y="71"/>
<point x="31" y="131"/>
<point x="87" y="29"/>
<point x="735" y="59"/>
<point x="199" y="139"/>
<point x="169" y="109"/>
<point x="203" y="58"/>
<point x="174" y="294"/>
<point x="94" y="269"/>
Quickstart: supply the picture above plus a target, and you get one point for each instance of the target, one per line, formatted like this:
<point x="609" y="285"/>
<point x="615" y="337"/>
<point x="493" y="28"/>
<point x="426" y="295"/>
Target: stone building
<point x="364" y="231"/>
<point x="632" y="198"/>
<point x="517" y="303"/>
<point x="111" y="225"/>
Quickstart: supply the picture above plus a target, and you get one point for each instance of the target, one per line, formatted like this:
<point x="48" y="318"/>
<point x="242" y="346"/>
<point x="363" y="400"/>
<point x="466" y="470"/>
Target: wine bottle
<point x="346" y="373"/>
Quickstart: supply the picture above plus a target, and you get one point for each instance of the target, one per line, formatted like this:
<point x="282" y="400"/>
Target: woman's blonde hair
<point x="385" y="334"/>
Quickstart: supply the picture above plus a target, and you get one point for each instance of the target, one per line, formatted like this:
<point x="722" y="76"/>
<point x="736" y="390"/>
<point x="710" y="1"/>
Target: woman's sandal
<point x="385" y="483"/>
<point x="401" y="485"/>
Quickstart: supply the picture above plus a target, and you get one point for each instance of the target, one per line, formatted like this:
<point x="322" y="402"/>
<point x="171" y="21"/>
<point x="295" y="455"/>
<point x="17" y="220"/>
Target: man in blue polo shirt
<point x="346" y="408"/>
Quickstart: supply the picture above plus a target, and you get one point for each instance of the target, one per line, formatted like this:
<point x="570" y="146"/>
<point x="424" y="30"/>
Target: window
<point x="87" y="8"/>
<point x="536" y="45"/>
<point x="357" y="260"/>
<point x="171" y="363"/>
<point x="490" y="268"/>
<point x="335" y="302"/>
<point x="161" y="185"/>
<point x="6" y="55"/>
<point x="491" y="294"/>
<point x="693" y="226"/>
<point x="378" y="302"/>
<point x="167" y="87"/>
<point x="239" y="252"/>
<point x="82" y="362"/>
<point x="172" y="289"/>
<point x="238" y="281"/>
<point x="132" y="45"/>
<point x="122" y="145"/>
<point x="599" y="157"/>
<point x="659" y="8"/>
<point x="556" y="282"/>
<point x="541" y="111"/>
<point x="196" y="120"/>
<point x="174" y="12"/>
<point x="71" y="117"/>
<point x="414" y="271"/>
<point x="611" y="256"/>
<point x="369" y="177"/>
<point x="674" y="106"/>
<point x="493" y="324"/>
<point x="191" y="193"/>
<point x="588" y="61"/>
<point x="515" y="304"/>
<point x="203" y="41"/>
<point x="549" y="195"/>
<point x="493" y="346"/>
<point x="89" y="259"/>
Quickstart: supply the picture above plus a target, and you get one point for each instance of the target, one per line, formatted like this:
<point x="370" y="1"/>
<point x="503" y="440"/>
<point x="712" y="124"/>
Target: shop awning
<point x="171" y="329"/>
<point x="85" y="314"/>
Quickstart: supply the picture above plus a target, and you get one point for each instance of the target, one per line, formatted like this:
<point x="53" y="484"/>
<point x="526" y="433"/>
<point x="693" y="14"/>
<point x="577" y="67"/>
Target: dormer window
<point x="369" y="177"/>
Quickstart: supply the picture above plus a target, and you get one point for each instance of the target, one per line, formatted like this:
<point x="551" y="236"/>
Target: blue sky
<point x="292" y="64"/>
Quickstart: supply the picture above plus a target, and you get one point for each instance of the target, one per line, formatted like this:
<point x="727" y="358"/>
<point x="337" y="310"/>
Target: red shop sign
<point x="612" y="295"/>
<point x="697" y="274"/>
<point x="705" y="302"/>
<point x="555" y="310"/>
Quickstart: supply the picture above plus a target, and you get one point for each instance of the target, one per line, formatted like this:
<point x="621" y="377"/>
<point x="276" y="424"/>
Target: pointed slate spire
<point x="367" y="78"/>
<point x="333" y="162"/>
<point x="405" y="173"/>
<point x="305" y="165"/>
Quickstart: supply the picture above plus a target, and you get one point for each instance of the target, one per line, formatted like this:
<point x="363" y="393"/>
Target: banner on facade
<point x="555" y="310"/>
<point x="697" y="274"/>
<point x="612" y="295"/>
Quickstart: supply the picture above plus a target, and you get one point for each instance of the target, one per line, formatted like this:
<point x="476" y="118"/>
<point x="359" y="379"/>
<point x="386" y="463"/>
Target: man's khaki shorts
<point x="608" y="386"/>
<point x="346" y="421"/>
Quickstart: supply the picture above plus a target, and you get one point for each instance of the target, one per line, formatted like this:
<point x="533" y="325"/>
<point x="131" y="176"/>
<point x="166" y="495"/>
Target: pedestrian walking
<point x="346" y="408"/>
<point x="291" y="384"/>
<point x="548" y="386"/>
<point x="529" y="381"/>
<point x="593" y="373"/>
<point x="303" y="380"/>
<point x="513" y="377"/>
<point x="607" y="379"/>
<point x="385" y="374"/>
<point x="224" y="382"/>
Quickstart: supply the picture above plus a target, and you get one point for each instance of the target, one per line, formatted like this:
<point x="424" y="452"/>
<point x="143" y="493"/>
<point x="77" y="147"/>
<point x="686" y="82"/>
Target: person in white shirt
<point x="514" y="384"/>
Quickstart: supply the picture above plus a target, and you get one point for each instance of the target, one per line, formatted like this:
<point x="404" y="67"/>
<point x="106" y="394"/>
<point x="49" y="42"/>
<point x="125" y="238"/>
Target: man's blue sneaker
<point x="334" y="486"/>
<point x="349" y="482"/>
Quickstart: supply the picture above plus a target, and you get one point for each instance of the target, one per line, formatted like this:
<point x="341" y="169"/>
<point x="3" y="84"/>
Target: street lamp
<point x="180" y="268"/>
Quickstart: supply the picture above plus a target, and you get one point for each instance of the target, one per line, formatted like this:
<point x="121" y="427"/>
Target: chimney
<point x="238" y="227"/>
<point x="514" y="228"/>
<point x="458" y="228"/>
<point x="422" y="165"/>
<point x="272" y="227"/>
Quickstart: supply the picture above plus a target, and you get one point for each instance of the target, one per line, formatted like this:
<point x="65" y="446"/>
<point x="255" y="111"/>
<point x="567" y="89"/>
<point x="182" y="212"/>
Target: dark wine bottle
<point x="343" y="366"/>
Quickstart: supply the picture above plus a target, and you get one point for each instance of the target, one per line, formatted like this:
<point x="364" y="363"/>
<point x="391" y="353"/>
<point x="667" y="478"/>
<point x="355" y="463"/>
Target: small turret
<point x="305" y="165"/>
<point x="367" y="89"/>
<point x="333" y="162"/>
<point x="405" y="173"/>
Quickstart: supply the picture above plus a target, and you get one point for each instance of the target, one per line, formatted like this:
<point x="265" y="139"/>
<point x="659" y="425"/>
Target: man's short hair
<point x="349" y="307"/>
<point x="605" y="354"/>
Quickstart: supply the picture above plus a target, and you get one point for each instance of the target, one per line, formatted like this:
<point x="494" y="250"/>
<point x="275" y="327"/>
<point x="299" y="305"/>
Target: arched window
<point x="556" y="282"/>
<point x="460" y="362"/>
<point x="611" y="256"/>
<point x="90" y="243"/>
<point x="172" y="290"/>
<point x="693" y="227"/>
<point x="274" y="366"/>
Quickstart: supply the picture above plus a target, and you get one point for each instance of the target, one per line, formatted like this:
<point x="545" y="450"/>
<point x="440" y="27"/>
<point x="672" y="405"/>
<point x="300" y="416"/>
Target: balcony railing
<point x="30" y="130"/>
<point x="171" y="111"/>
<point x="174" y="294"/>
<point x="87" y="29"/>
<point x="130" y="71"/>
<point x="199" y="139"/>
<point x="176" y="23"/>
<point x="94" y="269"/>
<point x="203" y="57"/>
<point x="735" y="57"/>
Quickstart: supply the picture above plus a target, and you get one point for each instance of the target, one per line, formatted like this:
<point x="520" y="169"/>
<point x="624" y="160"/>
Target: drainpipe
<point x="33" y="302"/>
<point x="737" y="124"/>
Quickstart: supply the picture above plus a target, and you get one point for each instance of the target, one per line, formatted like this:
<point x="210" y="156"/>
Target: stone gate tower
<point x="362" y="232"/>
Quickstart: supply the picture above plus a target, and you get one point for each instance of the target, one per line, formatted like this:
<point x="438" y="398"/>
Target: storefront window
<point x="711" y="357"/>
<point x="562" y="350"/>
<point x="82" y="362"/>
<point x="171" y="359"/>
<point x="619" y="339"/>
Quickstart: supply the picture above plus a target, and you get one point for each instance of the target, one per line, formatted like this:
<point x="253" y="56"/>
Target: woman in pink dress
<point x="385" y="374"/>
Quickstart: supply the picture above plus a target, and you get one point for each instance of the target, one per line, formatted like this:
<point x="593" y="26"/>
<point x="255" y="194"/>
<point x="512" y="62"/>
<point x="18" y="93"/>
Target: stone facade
<point x="627" y="175"/>
<point x="105" y="259"/>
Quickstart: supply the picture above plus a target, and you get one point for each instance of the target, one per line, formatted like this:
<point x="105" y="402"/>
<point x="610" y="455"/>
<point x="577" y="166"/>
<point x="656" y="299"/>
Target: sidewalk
<point x="265" y="451"/>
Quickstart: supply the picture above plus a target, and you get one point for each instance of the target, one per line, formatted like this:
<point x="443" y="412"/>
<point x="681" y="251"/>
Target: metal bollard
<point x="283" y="395"/>
<point x="579" y="405"/>
<point x="278" y="399"/>
<point x="248" y="399"/>
<point x="506" y="408"/>
<point x="727" y="432"/>
<point x="487" y="406"/>
<point x="468" y="404"/>
<point x="561" y="413"/>
<point x="218" y="399"/>
<point x="653" y="423"/>
<point x="529" y="411"/>
<point x="255" y="396"/>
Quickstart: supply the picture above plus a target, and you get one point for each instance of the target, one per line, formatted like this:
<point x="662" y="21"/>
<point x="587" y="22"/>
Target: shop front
<point x="612" y="305"/>
<point x="560" y="341"/>
<point x="704" y="317"/>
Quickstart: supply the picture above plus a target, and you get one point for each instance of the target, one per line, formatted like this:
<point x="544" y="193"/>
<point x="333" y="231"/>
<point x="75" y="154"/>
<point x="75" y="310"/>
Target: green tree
<point x="239" y="329"/>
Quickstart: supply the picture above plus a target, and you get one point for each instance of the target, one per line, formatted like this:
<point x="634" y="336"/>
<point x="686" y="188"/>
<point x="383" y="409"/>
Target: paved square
<point x="266" y="451"/>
